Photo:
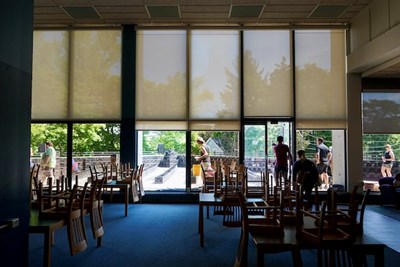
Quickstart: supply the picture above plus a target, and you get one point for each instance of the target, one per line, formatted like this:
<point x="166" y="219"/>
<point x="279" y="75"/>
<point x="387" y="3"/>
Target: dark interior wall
<point x="381" y="83"/>
<point x="16" y="30"/>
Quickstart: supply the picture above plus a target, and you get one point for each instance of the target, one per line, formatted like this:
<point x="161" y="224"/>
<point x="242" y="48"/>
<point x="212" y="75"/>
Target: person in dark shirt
<point x="306" y="173"/>
<point x="282" y="156"/>
<point x="387" y="161"/>
<point x="321" y="160"/>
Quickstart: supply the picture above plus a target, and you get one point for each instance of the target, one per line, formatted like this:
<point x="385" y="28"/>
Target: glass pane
<point x="380" y="112"/>
<point x="320" y="76"/>
<point x="50" y="75"/>
<point x="221" y="145"/>
<point x="255" y="156"/>
<point x="335" y="141"/>
<point x="373" y="150"/>
<point x="57" y="134"/>
<point x="267" y="74"/>
<point x="94" y="144"/>
<point x="214" y="77"/>
<point x="260" y="141"/>
<point x="164" y="156"/>
<point x="161" y="75"/>
<point x="96" y="74"/>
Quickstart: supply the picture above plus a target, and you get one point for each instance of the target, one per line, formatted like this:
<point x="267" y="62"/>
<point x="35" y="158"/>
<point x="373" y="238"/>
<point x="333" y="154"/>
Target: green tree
<point x="87" y="138"/>
<point x="173" y="140"/>
<point x="56" y="133"/>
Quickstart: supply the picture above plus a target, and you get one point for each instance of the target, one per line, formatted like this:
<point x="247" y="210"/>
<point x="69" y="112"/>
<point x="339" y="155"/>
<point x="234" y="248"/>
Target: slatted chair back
<point x="140" y="182"/>
<point x="94" y="207"/>
<point x="77" y="238"/>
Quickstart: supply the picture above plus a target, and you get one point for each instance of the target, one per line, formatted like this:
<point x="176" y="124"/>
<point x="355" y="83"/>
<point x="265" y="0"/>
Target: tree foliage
<point x="87" y="138"/>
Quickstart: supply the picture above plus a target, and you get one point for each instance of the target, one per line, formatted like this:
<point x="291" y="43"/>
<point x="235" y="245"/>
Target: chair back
<point x="77" y="238"/>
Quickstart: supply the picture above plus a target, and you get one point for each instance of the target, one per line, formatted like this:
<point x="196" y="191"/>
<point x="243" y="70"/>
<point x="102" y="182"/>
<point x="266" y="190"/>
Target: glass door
<point x="259" y="140"/>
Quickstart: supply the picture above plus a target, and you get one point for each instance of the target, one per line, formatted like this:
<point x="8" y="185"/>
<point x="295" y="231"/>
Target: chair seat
<point x="270" y="228"/>
<point x="329" y="234"/>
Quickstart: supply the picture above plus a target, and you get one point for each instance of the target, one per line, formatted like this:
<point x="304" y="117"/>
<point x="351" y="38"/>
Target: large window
<point x="214" y="83"/>
<point x="93" y="145"/>
<point x="373" y="150"/>
<point x="50" y="75"/>
<point x="76" y="75"/>
<point x="381" y="126"/>
<point x="381" y="112"/>
<point x="268" y="89"/>
<point x="164" y="156"/>
<point x="57" y="134"/>
<point x="223" y="147"/>
<point x="202" y="81"/>
<point x="320" y="79"/>
<point x="335" y="141"/>
<point x="161" y="77"/>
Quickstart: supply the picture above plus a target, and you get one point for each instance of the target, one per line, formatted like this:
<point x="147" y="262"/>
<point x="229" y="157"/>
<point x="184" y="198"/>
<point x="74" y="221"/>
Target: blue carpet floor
<point x="162" y="235"/>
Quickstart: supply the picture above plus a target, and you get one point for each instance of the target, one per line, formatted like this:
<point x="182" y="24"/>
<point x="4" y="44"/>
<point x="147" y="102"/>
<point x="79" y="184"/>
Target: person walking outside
<point x="204" y="157"/>
<point x="387" y="158"/>
<point x="321" y="160"/>
<point x="282" y="157"/>
<point x="48" y="162"/>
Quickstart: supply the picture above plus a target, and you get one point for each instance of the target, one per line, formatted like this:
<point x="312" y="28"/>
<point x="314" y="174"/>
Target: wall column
<point x="16" y="29"/>
<point x="128" y="151"/>
<point x="354" y="131"/>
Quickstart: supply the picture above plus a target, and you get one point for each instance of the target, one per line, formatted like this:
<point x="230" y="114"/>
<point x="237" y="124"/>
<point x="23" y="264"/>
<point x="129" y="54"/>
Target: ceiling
<point x="193" y="13"/>
<point x="196" y="12"/>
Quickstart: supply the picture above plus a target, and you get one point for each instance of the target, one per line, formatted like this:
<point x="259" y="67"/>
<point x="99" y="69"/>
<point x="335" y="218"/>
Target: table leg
<point x="296" y="257"/>
<point x="47" y="248"/>
<point x="201" y="225"/>
<point x="99" y="241"/>
<point x="260" y="258"/>
<point x="126" y="200"/>
<point x="380" y="256"/>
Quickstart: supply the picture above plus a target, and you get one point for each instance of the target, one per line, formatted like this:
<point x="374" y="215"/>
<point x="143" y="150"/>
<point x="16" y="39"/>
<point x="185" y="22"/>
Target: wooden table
<point x="363" y="245"/>
<point x="46" y="227"/>
<point x="124" y="187"/>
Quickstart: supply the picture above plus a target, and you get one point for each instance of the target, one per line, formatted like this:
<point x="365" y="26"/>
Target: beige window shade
<point x="320" y="78"/>
<point x="268" y="89"/>
<point x="320" y="124"/>
<point x="214" y="75"/>
<point x="50" y="75"/>
<point x="96" y="74"/>
<point x="161" y="125"/>
<point x="161" y="75"/>
<point x="214" y="125"/>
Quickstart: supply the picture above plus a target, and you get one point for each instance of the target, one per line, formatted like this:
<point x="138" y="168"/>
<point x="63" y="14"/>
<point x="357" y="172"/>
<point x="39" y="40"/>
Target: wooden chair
<point x="77" y="238"/>
<point x="94" y="206"/>
<point x="124" y="170"/>
<point x="231" y="211"/>
<point x="256" y="187"/>
<point x="208" y="180"/>
<point x="346" y="222"/>
<point x="268" y="224"/>
<point x="71" y="208"/>
<point x="333" y="244"/>
<point x="139" y="179"/>
<point x="132" y="181"/>
<point x="34" y="185"/>
<point x="240" y="175"/>
<point x="291" y="192"/>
